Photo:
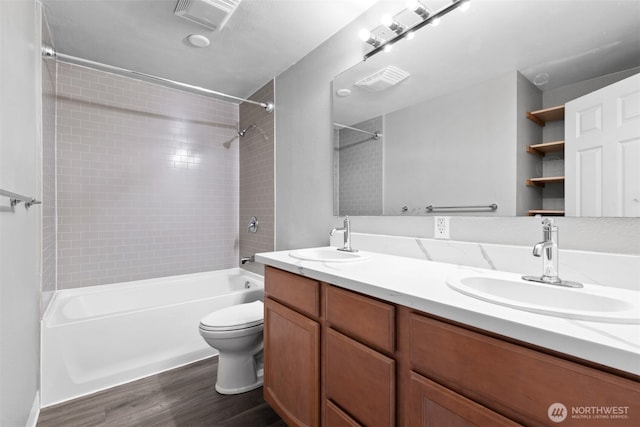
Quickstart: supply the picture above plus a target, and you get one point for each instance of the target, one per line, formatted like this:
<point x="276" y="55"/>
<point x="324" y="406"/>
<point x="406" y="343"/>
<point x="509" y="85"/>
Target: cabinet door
<point x="291" y="365"/>
<point x="334" y="417"/>
<point x="435" y="406"/>
<point x="360" y="380"/>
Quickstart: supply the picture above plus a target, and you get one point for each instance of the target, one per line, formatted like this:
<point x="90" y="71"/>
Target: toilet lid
<point x="235" y="317"/>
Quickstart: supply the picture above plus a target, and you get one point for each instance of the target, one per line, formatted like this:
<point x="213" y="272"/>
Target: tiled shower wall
<point x="257" y="176"/>
<point x="147" y="180"/>
<point x="360" y="169"/>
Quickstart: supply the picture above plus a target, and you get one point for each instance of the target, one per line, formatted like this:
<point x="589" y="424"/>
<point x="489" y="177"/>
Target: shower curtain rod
<point x="376" y="135"/>
<point x="49" y="52"/>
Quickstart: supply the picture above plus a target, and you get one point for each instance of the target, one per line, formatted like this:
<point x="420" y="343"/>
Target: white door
<point x="602" y="151"/>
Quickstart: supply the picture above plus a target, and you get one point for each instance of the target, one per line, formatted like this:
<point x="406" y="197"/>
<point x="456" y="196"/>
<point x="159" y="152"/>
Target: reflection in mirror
<point x="358" y="160"/>
<point x="454" y="132"/>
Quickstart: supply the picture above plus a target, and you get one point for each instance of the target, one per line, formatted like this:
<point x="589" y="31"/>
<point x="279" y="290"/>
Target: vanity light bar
<point x="426" y="21"/>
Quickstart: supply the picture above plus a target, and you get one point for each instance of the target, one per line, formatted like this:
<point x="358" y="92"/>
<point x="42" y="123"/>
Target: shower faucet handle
<point x="253" y="225"/>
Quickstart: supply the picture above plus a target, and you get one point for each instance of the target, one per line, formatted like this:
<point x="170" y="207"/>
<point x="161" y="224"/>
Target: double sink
<point x="591" y="303"/>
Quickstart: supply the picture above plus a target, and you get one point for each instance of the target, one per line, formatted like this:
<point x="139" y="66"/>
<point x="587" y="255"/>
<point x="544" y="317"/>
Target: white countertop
<point x="421" y="284"/>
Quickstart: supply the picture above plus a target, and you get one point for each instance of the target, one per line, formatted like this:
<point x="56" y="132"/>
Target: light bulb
<point x="410" y="35"/>
<point x="387" y="48"/>
<point x="387" y="21"/>
<point x="418" y="8"/>
<point x="466" y="4"/>
<point x="412" y="4"/>
<point x="364" y="35"/>
<point x="436" y="22"/>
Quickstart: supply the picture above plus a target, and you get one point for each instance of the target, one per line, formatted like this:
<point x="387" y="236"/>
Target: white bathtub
<point x="98" y="337"/>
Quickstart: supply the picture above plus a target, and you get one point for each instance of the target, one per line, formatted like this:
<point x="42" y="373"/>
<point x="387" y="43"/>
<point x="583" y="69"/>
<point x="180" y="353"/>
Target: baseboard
<point x="35" y="412"/>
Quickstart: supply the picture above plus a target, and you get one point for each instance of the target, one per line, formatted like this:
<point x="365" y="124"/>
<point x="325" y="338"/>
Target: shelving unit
<point x="541" y="182"/>
<point x="541" y="117"/>
<point x="546" y="147"/>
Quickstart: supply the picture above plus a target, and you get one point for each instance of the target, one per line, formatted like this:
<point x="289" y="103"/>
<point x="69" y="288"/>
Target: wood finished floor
<point x="181" y="397"/>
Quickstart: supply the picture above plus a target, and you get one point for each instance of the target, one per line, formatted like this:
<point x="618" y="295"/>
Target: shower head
<point x="242" y="132"/>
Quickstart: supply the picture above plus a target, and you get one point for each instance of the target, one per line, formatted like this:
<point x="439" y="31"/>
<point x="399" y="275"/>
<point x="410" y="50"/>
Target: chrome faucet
<point x="346" y="229"/>
<point x="247" y="259"/>
<point x="548" y="250"/>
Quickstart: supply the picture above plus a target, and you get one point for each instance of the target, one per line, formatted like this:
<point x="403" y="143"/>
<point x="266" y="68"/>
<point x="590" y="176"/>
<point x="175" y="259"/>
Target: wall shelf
<point x="547" y="147"/>
<point x="541" y="182"/>
<point x="545" y="212"/>
<point x="541" y="117"/>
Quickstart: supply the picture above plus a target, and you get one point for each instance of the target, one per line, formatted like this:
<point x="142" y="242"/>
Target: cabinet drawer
<point x="300" y="293"/>
<point x="515" y="381"/>
<point x="360" y="380"/>
<point x="435" y="406"/>
<point x="365" y="319"/>
<point x="336" y="418"/>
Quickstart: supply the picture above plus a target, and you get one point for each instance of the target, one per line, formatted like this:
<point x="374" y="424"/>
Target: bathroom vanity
<point x="353" y="344"/>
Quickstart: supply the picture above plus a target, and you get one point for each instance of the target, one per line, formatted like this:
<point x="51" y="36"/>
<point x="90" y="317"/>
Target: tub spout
<point x="247" y="259"/>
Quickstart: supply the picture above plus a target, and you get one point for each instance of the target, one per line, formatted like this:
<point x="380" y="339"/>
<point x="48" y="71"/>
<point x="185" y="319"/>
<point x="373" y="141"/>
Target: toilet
<point x="236" y="332"/>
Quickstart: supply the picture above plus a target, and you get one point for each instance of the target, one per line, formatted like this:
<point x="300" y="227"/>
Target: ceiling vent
<point x="211" y="14"/>
<point x="383" y="79"/>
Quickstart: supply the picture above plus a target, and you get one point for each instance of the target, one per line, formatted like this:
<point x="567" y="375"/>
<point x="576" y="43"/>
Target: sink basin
<point x="594" y="303"/>
<point x="326" y="255"/>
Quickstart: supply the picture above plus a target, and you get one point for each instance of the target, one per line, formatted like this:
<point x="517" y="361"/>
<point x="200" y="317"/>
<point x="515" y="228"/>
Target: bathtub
<point x="102" y="336"/>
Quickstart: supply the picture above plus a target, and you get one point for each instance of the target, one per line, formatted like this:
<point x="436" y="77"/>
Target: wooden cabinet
<point x="335" y="417"/>
<point x="292" y="349"/>
<point x="359" y="366"/>
<point x="338" y="358"/>
<point x="518" y="382"/>
<point x="435" y="406"/>
<point x="297" y="292"/>
<point x="363" y="318"/>
<point x="360" y="380"/>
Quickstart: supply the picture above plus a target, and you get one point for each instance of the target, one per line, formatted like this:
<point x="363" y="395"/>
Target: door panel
<point x="602" y="157"/>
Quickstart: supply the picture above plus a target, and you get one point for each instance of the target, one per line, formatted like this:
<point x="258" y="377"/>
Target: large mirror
<point x="451" y="136"/>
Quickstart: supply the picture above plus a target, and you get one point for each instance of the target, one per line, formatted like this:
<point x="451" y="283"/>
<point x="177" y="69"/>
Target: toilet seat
<point x="241" y="316"/>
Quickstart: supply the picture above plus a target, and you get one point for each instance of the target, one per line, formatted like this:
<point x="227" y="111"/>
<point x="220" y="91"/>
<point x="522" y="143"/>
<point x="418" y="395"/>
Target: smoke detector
<point x="211" y="14"/>
<point x="383" y="79"/>
<point x="198" y="40"/>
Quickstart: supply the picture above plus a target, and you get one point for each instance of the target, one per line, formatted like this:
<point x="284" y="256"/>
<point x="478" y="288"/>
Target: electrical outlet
<point x="441" y="227"/>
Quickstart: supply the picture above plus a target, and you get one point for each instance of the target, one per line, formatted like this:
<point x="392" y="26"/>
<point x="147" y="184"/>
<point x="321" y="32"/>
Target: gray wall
<point x="304" y="170"/>
<point x="430" y="159"/>
<point x="256" y="177"/>
<point x="529" y="98"/>
<point x="20" y="145"/>
<point x="304" y="151"/>
<point x="564" y="94"/>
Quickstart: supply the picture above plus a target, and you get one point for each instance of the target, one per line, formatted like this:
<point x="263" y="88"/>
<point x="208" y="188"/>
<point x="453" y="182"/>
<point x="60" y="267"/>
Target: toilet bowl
<point x="236" y="332"/>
